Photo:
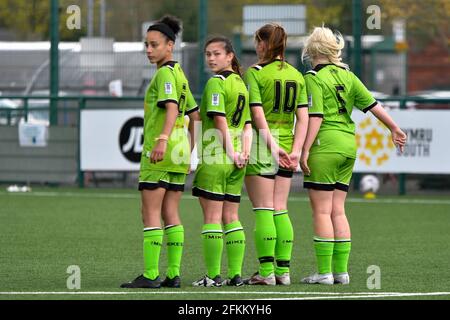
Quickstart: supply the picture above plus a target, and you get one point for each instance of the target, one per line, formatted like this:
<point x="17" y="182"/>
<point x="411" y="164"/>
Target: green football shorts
<point x="262" y="163"/>
<point x="329" y="171"/>
<point x="220" y="182"/>
<point x="152" y="179"/>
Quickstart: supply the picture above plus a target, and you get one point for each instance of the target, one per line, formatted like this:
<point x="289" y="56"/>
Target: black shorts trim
<point x="196" y="192"/>
<point x="316" y="115"/>
<point x="192" y="110"/>
<point x="257" y="104"/>
<point x="326" y="187"/>
<point x="341" y="186"/>
<point x="160" y="184"/>
<point x="232" y="198"/>
<point x="370" y="107"/>
<point x="285" y="173"/>
<point x="302" y="106"/>
<point x="318" y="186"/>
<point x="267" y="176"/>
<point x="162" y="104"/>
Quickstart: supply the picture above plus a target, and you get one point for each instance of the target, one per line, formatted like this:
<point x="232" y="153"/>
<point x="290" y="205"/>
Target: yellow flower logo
<point x="374" y="142"/>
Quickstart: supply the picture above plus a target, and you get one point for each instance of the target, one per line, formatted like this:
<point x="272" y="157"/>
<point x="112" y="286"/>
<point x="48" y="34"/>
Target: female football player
<point x="329" y="151"/>
<point x="165" y="156"/>
<point x="277" y="96"/>
<point x="225" y="149"/>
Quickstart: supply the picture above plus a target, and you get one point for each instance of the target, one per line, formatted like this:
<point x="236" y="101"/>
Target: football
<point x="369" y="183"/>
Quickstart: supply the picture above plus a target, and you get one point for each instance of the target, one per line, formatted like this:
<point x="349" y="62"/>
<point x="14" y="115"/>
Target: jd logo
<point x="131" y="139"/>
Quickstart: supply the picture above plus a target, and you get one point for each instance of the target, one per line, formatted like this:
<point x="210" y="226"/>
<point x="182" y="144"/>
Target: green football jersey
<point x="225" y="95"/>
<point x="169" y="84"/>
<point x="333" y="91"/>
<point x="280" y="91"/>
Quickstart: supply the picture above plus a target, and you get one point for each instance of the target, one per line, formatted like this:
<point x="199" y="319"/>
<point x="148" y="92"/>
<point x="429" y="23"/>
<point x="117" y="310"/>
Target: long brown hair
<point x="228" y="46"/>
<point x="275" y="37"/>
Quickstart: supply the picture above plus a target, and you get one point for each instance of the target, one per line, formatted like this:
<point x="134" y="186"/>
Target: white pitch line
<point x="188" y="197"/>
<point x="319" y="295"/>
<point x="366" y="296"/>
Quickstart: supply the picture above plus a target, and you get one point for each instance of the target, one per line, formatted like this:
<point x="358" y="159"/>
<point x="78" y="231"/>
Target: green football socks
<point x="152" y="248"/>
<point x="265" y="239"/>
<point x="212" y="248"/>
<point x="175" y="242"/>
<point x="285" y="240"/>
<point x="324" y="254"/>
<point x="235" y="247"/>
<point x="341" y="254"/>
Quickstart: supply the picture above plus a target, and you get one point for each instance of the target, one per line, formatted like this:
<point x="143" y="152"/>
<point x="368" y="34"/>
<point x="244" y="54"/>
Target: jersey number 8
<point x="237" y="116"/>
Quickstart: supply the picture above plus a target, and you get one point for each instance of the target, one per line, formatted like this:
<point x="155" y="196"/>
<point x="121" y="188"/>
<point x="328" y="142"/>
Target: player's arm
<point x="161" y="144"/>
<point x="194" y="127"/>
<point x="167" y="99"/>
<point x="365" y="102"/>
<point x="398" y="136"/>
<point x="220" y="123"/>
<point x="259" y="119"/>
<point x="247" y="137"/>
<point x="192" y="111"/>
<point x="313" y="129"/>
<point x="315" y="111"/>
<point x="301" y="127"/>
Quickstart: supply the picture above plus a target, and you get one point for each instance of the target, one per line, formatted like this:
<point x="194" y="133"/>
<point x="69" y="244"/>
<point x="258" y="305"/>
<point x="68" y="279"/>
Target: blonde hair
<point x="323" y="42"/>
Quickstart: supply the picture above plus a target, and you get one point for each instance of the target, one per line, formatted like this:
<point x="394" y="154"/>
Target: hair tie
<point x="164" y="29"/>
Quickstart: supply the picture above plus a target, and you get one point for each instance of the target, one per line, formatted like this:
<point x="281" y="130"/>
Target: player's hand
<point x="238" y="160"/>
<point x="158" y="151"/>
<point x="283" y="158"/>
<point x="304" y="163"/>
<point x="245" y="157"/>
<point x="295" y="159"/>
<point x="399" y="138"/>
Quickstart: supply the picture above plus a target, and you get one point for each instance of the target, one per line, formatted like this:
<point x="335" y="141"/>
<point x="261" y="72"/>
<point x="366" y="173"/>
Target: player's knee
<point x="279" y="207"/>
<point x="324" y="211"/>
<point x="229" y="218"/>
<point x="337" y="211"/>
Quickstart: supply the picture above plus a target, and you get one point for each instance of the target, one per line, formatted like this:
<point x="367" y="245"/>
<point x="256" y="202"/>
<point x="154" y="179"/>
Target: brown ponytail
<point x="276" y="39"/>
<point x="228" y="46"/>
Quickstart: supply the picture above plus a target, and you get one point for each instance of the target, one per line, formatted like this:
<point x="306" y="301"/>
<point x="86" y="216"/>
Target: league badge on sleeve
<point x="310" y="100"/>
<point x="168" y="88"/>
<point x="215" y="99"/>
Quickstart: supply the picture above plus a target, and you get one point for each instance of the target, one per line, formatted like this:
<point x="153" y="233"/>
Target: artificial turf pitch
<point x="44" y="232"/>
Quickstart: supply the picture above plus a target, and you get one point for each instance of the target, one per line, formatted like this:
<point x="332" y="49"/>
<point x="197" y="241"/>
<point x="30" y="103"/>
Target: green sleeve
<point x="302" y="97"/>
<point x="364" y="100"/>
<point x="315" y="96"/>
<point x="191" y="104"/>
<point x="215" y="97"/>
<point x="250" y="79"/>
<point x="166" y="86"/>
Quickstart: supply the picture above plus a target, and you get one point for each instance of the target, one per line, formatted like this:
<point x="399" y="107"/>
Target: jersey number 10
<point x="288" y="97"/>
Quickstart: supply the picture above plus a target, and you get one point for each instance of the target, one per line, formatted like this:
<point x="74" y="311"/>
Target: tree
<point x="426" y="20"/>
